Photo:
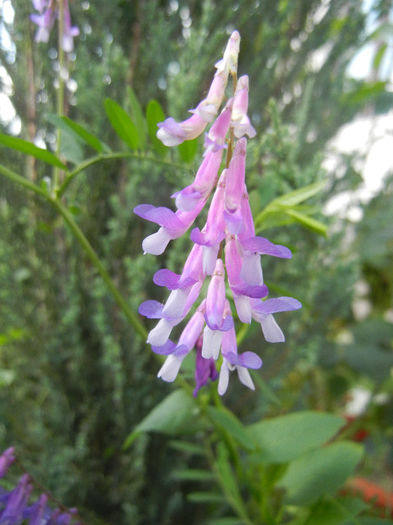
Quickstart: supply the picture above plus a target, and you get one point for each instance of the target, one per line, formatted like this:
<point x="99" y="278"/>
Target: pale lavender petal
<point x="264" y="246"/>
<point x="175" y="303"/>
<point x="209" y="258"/>
<point x="254" y="291"/>
<point x="192" y="330"/>
<point x="211" y="343"/>
<point x="162" y="216"/>
<point x="251" y="271"/>
<point x="247" y="360"/>
<point x="170" y="132"/>
<point x="234" y="221"/>
<point x="187" y="199"/>
<point x="243" y="308"/>
<point x="156" y="243"/>
<point x="151" y="309"/>
<point x="271" y="331"/>
<point x="223" y="378"/>
<point x="245" y="378"/>
<point x="279" y="304"/>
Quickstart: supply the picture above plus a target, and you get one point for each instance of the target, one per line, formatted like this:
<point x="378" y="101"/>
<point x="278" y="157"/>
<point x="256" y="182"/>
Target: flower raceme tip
<point x="211" y="328"/>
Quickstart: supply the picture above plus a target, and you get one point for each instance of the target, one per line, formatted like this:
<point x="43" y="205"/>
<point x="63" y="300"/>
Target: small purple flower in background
<point x="14" y="507"/>
<point x="46" y="20"/>
<point x="211" y="329"/>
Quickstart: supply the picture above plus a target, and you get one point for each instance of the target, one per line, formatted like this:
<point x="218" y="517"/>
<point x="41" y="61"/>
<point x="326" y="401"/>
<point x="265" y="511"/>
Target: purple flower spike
<point x="38" y="511"/>
<point x="211" y="329"/>
<point x="46" y="19"/>
<point x="17" y="501"/>
<point x="6" y="460"/>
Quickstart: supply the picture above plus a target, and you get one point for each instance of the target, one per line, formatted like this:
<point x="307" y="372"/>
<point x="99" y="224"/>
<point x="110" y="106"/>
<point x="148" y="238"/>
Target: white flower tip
<point x="160" y="333"/>
<point x="156" y="243"/>
<point x="167" y="139"/>
<point x="169" y="370"/>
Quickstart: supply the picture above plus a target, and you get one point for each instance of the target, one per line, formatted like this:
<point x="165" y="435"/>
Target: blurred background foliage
<point x="74" y="377"/>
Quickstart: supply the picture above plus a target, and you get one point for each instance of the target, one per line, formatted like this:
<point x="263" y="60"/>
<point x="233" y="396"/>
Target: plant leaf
<point x="308" y="222"/>
<point x="174" y="415"/>
<point x="137" y="117"/>
<point x="85" y="135"/>
<point x="232" y="425"/>
<point x="155" y="114"/>
<point x="205" y="497"/>
<point x="122" y="123"/>
<point x="284" y="438"/>
<point x="296" y="197"/>
<point x="319" y="472"/>
<point x="193" y="475"/>
<point x="188" y="149"/>
<point x="31" y="149"/>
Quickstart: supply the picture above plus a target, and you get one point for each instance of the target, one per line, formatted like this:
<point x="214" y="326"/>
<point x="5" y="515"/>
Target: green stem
<point x="60" y="89"/>
<point x="89" y="250"/>
<point x="23" y="182"/>
<point x="111" y="156"/>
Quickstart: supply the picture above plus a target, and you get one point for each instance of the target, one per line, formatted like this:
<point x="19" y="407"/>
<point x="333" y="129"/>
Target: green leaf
<point x="321" y="471"/>
<point x="335" y="511"/>
<point x="122" y="123"/>
<point x="308" y="222"/>
<point x="155" y="114"/>
<point x="185" y="446"/>
<point x="232" y="425"/>
<point x="30" y="149"/>
<point x="296" y="197"/>
<point x="174" y="415"/>
<point x="188" y="149"/>
<point x="193" y="475"/>
<point x="85" y="135"/>
<point x="205" y="497"/>
<point x="137" y="117"/>
<point x="71" y="148"/>
<point x="284" y="438"/>
<point x="228" y="481"/>
<point x="225" y="521"/>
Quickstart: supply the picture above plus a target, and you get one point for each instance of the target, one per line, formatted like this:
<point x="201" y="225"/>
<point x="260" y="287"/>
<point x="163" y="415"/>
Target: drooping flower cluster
<point x="229" y="220"/>
<point x="14" y="504"/>
<point x="45" y="21"/>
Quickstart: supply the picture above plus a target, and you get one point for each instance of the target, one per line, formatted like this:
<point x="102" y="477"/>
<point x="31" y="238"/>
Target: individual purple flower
<point x="211" y="329"/>
<point x="240" y="121"/>
<point x="205" y="369"/>
<point x="262" y="312"/>
<point x="45" y="23"/>
<point x="69" y="31"/>
<point x="172" y="133"/>
<point x="6" y="460"/>
<point x="234" y="361"/>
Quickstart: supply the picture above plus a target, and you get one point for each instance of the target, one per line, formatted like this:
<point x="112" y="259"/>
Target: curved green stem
<point x="90" y="252"/>
<point x="111" y="156"/>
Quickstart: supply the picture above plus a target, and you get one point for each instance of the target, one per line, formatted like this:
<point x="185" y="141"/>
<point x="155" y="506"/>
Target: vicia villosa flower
<point x="45" y="20"/>
<point x="14" y="504"/>
<point x="225" y="250"/>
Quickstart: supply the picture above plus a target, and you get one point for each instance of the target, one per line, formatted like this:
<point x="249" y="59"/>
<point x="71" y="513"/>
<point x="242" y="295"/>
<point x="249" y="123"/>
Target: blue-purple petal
<point x="168" y="348"/>
<point x="265" y="247"/>
<point x="254" y="291"/>
<point x="151" y="309"/>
